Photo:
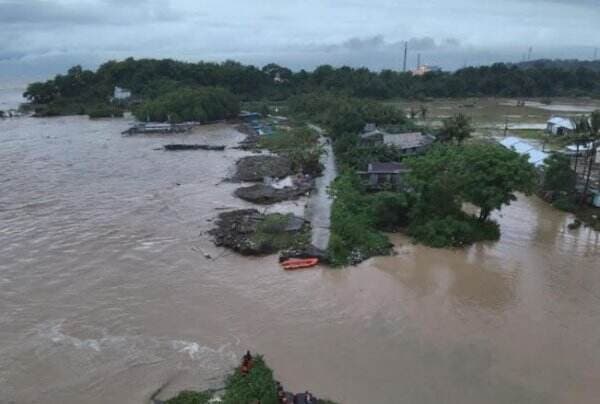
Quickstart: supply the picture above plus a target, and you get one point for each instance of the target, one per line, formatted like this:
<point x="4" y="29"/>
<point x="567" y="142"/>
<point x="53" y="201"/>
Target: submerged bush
<point x="104" y="111"/>
<point x="257" y="386"/>
<point x="454" y="231"/>
<point x="565" y="202"/>
<point x="191" y="397"/>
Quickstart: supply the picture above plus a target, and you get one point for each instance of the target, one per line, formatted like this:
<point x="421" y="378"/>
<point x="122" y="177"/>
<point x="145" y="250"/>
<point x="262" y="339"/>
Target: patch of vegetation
<point x="457" y="128"/>
<point x="191" y="397"/>
<point x="257" y="386"/>
<point x="486" y="176"/>
<point x="354" y="233"/>
<point x="190" y="104"/>
<point x="457" y="230"/>
<point x="299" y="145"/>
<point x="104" y="111"/>
<point x="558" y="185"/>
<point x="537" y="134"/>
<point x="272" y="233"/>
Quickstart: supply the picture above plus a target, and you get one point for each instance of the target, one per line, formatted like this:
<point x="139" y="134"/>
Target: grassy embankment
<point x="299" y="145"/>
<point x="271" y="236"/>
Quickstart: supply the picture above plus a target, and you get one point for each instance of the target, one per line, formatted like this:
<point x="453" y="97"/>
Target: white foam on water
<point x="161" y="347"/>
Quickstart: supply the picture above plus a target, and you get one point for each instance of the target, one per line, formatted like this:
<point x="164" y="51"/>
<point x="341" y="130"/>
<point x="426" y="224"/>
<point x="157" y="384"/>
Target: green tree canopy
<point x="190" y="104"/>
<point x="458" y="128"/>
<point x="485" y="175"/>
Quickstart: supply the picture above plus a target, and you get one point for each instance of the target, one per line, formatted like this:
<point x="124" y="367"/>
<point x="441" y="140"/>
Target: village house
<point x="560" y="126"/>
<point x="121" y="94"/>
<point x="407" y="143"/>
<point x="385" y="175"/>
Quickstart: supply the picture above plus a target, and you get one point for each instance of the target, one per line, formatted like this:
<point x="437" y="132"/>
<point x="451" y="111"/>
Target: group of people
<point x="289" y="398"/>
<point x="283" y="396"/>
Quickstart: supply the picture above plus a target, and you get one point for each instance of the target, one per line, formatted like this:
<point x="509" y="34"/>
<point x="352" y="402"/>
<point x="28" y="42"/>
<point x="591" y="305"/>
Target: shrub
<point x="271" y="235"/>
<point x="191" y="397"/>
<point x="454" y="231"/>
<point x="104" y="111"/>
<point x="565" y="202"/>
<point x="257" y="386"/>
<point x="391" y="210"/>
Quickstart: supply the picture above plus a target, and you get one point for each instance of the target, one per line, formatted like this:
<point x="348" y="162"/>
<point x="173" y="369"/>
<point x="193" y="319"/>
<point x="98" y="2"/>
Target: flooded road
<point x="318" y="209"/>
<point x="106" y="295"/>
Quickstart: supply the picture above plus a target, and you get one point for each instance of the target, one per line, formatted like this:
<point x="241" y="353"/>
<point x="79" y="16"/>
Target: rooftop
<point x="536" y="156"/>
<point x="562" y="122"/>
<point x="387" y="168"/>
<point x="407" y="140"/>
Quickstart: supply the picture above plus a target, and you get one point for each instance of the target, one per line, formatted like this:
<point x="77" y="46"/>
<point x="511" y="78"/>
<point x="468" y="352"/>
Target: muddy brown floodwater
<point x="105" y="293"/>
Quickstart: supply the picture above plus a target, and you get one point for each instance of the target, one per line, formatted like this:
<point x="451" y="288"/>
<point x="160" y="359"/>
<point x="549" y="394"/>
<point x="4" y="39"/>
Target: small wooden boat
<point x="299" y="263"/>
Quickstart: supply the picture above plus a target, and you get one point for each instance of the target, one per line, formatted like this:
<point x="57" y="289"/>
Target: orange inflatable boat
<point x="299" y="263"/>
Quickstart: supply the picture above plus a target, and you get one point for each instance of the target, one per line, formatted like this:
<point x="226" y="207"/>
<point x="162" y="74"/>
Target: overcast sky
<point x="42" y="37"/>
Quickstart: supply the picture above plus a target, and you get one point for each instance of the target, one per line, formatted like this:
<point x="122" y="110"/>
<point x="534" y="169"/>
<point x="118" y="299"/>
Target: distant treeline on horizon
<point x="151" y="78"/>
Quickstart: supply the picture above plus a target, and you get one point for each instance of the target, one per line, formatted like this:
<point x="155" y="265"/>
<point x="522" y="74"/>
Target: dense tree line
<point x="189" y="104"/>
<point x="148" y="78"/>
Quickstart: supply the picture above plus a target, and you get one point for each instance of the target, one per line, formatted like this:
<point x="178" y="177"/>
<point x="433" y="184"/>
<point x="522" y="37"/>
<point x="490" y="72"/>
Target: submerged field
<point x="491" y="115"/>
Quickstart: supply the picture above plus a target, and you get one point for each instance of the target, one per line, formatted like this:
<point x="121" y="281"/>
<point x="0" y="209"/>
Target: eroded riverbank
<point x="107" y="295"/>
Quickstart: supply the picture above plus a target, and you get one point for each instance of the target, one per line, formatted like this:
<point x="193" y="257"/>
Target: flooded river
<point x="106" y="294"/>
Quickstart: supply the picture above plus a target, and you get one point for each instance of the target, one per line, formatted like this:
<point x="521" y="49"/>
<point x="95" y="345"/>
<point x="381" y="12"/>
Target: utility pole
<point x="405" y="56"/>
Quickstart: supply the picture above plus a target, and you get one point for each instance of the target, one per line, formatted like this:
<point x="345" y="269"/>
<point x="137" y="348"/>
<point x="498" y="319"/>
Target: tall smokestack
<point x="405" y="56"/>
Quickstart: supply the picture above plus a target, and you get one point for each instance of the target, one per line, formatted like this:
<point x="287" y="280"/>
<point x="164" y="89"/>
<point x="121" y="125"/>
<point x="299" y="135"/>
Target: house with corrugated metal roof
<point x="536" y="156"/>
<point x="560" y="126"/>
<point x="385" y="175"/>
<point x="407" y="143"/>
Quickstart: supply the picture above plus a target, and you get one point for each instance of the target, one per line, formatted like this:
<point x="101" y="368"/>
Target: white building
<point x="121" y="94"/>
<point x="560" y="126"/>
<point x="424" y="69"/>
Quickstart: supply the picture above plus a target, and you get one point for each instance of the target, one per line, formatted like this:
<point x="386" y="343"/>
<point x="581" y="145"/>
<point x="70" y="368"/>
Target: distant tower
<point x="405" y="56"/>
<point x="595" y="53"/>
<point x="418" y="60"/>
<point x="529" y="53"/>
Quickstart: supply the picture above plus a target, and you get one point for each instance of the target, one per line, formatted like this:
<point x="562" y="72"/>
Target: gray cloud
<point x="35" y="11"/>
<point x="108" y="12"/>
<point x="47" y="34"/>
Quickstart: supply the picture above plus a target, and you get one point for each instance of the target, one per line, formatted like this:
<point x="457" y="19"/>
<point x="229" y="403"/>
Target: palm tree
<point x="457" y="128"/>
